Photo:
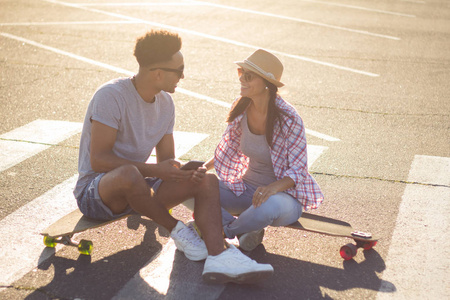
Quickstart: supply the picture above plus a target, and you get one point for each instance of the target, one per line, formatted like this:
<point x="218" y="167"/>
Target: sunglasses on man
<point x="179" y="71"/>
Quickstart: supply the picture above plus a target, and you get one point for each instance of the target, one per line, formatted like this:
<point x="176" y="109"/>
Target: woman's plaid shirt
<point x="288" y="152"/>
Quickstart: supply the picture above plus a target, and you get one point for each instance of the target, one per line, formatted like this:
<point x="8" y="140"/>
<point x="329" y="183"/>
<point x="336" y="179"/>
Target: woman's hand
<point x="263" y="193"/>
<point x="198" y="174"/>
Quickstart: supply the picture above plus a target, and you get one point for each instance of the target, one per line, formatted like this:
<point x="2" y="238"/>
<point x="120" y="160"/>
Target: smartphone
<point x="192" y="165"/>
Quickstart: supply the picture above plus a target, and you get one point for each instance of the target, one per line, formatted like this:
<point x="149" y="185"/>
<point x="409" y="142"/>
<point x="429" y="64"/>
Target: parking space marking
<point x="129" y="73"/>
<point x="22" y="250"/>
<point x="266" y="14"/>
<point x="361" y="8"/>
<point x="167" y="283"/>
<point x="217" y="38"/>
<point x="138" y="4"/>
<point x="184" y="142"/>
<point x="419" y="255"/>
<point x="32" y="138"/>
<point x="69" y="23"/>
<point x="321" y="135"/>
<point x="413" y="1"/>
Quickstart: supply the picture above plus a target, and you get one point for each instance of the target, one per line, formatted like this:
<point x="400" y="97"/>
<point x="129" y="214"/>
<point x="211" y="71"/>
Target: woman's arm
<point x="209" y="164"/>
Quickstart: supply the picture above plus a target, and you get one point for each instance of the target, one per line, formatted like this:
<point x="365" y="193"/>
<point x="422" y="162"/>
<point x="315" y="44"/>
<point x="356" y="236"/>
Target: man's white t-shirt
<point x="140" y="125"/>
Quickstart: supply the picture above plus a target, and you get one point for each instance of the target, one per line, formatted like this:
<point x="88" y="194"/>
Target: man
<point x="126" y="119"/>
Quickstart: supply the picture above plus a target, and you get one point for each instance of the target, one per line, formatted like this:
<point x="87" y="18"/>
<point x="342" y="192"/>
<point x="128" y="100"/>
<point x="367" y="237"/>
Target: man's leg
<point x="207" y="207"/>
<point x="125" y="186"/>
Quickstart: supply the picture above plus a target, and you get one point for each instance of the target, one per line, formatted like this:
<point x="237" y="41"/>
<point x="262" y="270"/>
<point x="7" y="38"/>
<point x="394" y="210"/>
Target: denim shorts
<point x="92" y="206"/>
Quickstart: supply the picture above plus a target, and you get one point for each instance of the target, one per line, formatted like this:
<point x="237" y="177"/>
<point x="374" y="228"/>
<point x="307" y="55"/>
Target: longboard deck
<point x="328" y="226"/>
<point x="74" y="222"/>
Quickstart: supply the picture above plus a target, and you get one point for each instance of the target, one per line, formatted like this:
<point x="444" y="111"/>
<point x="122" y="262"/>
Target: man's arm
<point x="104" y="160"/>
<point x="165" y="148"/>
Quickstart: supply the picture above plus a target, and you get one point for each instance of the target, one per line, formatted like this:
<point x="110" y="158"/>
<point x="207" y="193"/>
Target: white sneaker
<point x="187" y="240"/>
<point x="250" y="240"/>
<point x="233" y="266"/>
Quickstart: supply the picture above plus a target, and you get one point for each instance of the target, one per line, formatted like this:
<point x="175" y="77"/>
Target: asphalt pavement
<point x="369" y="78"/>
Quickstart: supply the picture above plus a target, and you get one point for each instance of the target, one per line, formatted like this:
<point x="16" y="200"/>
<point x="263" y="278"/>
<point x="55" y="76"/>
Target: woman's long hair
<point x="273" y="112"/>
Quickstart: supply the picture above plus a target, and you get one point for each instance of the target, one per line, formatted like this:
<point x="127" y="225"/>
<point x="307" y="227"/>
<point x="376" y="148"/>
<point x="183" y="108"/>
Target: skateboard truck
<point x="84" y="246"/>
<point x="362" y="234"/>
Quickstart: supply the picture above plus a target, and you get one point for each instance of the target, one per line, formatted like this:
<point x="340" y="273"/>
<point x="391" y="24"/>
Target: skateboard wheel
<point x="369" y="245"/>
<point x="348" y="251"/>
<point x="49" y="242"/>
<point x="85" y="247"/>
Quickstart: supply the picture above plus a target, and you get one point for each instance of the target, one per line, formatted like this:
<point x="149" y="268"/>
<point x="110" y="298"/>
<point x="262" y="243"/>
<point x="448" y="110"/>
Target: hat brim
<point x="250" y="68"/>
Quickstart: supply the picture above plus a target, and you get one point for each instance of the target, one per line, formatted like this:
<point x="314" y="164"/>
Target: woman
<point x="261" y="160"/>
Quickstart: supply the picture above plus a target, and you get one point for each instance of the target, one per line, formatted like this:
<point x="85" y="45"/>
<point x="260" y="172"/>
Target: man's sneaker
<point x="187" y="240"/>
<point x="194" y="226"/>
<point x="233" y="266"/>
<point x="250" y="240"/>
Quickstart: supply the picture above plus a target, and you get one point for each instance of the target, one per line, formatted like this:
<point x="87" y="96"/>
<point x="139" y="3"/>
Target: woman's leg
<point x="232" y="204"/>
<point x="279" y="210"/>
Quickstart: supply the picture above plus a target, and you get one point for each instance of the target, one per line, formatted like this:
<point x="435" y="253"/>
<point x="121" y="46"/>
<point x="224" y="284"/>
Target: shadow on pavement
<point x="297" y="279"/>
<point x="293" y="278"/>
<point x="101" y="279"/>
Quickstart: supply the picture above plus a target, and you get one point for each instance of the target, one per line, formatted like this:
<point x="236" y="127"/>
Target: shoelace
<point x="240" y="256"/>
<point x="190" y="236"/>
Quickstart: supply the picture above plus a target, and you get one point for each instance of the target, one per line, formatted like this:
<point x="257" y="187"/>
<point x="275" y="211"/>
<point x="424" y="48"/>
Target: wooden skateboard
<point x="333" y="227"/>
<point x="62" y="231"/>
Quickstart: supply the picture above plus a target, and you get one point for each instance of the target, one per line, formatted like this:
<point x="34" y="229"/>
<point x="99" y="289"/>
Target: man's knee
<point x="210" y="181"/>
<point x="128" y="177"/>
<point x="208" y="186"/>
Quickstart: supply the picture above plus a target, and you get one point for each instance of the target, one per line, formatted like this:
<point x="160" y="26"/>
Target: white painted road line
<point x="26" y="141"/>
<point x="216" y="38"/>
<point x="170" y="275"/>
<point x="22" y="246"/>
<point x="68" y="23"/>
<point x="321" y="135"/>
<point x="138" y="4"/>
<point x="314" y="152"/>
<point x="418" y="263"/>
<point x="361" y="8"/>
<point x="294" y="19"/>
<point x="129" y="73"/>
<point x="184" y="142"/>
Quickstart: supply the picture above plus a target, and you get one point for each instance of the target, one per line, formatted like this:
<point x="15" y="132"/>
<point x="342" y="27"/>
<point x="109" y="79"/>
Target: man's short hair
<point x="156" y="46"/>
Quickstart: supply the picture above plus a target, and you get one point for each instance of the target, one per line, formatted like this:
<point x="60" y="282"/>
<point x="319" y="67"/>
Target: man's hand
<point x="169" y="170"/>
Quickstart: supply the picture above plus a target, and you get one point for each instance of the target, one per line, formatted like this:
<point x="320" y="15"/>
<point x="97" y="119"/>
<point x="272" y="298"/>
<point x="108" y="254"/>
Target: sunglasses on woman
<point x="246" y="75"/>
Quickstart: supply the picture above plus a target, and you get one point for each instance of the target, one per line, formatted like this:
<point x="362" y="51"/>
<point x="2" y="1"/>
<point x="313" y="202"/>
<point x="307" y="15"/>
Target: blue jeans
<point x="280" y="209"/>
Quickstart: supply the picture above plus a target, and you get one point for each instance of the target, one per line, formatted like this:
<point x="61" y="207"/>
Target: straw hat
<point x="265" y="64"/>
